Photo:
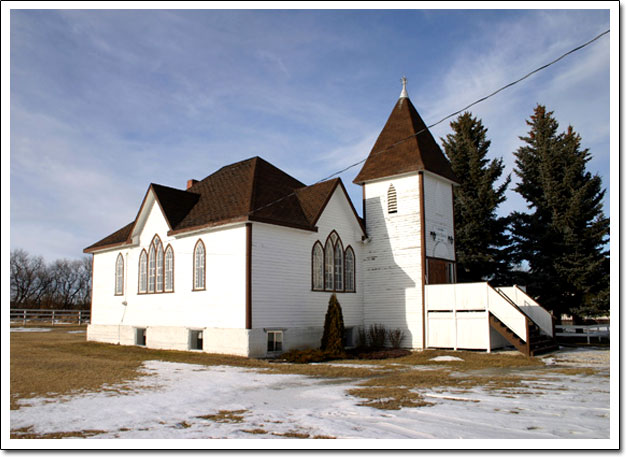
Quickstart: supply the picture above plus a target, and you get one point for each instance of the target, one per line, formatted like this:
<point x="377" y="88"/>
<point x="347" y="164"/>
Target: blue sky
<point x="105" y="102"/>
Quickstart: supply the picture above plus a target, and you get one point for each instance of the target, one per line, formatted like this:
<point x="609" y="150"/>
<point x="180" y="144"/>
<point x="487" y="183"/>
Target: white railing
<point x="54" y="316"/>
<point x="505" y="310"/>
<point x="588" y="331"/>
<point x="530" y="307"/>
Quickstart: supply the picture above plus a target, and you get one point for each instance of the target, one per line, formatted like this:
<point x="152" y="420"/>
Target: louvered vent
<point x="392" y="200"/>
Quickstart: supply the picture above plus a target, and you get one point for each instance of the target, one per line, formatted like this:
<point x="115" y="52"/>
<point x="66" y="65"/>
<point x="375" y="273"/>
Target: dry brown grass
<point x="226" y="416"/>
<point x="58" y="362"/>
<point x="27" y="433"/>
<point x="389" y="397"/>
<point x="255" y="431"/>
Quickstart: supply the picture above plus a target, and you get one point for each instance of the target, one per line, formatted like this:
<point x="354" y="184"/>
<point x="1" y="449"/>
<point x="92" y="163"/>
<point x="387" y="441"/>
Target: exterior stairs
<point x="537" y="342"/>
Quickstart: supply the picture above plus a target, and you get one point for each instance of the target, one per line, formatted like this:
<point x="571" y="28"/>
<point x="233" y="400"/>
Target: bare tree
<point x="64" y="284"/>
<point x="30" y="279"/>
<point x="67" y="283"/>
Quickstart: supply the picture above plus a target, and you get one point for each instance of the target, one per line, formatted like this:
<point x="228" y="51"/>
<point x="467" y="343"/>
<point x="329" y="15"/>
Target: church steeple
<point x="404" y="145"/>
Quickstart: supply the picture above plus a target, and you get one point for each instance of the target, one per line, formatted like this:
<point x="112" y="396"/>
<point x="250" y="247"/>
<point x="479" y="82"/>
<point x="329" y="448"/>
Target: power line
<point x="482" y="99"/>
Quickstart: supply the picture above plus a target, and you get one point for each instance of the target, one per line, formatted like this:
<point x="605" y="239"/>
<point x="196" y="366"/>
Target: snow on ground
<point x="29" y="329"/>
<point x="176" y="400"/>
<point x="446" y="358"/>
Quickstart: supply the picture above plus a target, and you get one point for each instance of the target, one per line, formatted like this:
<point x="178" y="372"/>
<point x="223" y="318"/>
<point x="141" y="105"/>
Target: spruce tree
<point x="564" y="232"/>
<point x="481" y="239"/>
<point x="332" y="339"/>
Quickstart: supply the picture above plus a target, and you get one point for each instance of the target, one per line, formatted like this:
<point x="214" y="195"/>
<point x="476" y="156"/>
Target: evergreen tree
<point x="563" y="235"/>
<point x="332" y="340"/>
<point x="481" y="239"/>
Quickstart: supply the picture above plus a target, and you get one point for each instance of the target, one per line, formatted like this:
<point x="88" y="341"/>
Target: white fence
<point x="54" y="316"/>
<point x="458" y="315"/>
<point x="584" y="331"/>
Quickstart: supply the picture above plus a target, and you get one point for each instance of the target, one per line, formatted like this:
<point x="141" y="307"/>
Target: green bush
<point x="332" y="340"/>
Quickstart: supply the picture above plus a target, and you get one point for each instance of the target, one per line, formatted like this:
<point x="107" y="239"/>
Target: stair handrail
<point x="523" y="334"/>
<point x="546" y="327"/>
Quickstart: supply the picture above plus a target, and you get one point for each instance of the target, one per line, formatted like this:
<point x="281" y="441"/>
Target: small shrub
<point x="361" y="338"/>
<point x="395" y="337"/>
<point x="377" y="335"/>
<point x="332" y="340"/>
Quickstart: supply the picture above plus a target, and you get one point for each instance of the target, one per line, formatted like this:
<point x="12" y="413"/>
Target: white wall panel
<point x="281" y="271"/>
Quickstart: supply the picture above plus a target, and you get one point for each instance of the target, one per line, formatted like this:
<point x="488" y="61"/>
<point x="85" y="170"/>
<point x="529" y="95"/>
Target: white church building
<point x="245" y="260"/>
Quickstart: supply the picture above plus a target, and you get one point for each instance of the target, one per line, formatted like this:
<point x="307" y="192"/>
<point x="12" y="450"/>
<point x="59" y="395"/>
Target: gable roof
<point x="251" y="190"/>
<point x="401" y="149"/>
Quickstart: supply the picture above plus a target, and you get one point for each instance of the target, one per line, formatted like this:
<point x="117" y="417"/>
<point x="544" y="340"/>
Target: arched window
<point x="143" y="272"/>
<point x="349" y="269"/>
<point x="338" y="261"/>
<point x="151" y="268"/>
<point x="158" y="246"/>
<point x="317" y="263"/>
<point x="169" y="269"/>
<point x="332" y="267"/>
<point x="328" y="265"/>
<point x="119" y="275"/>
<point x="392" y="200"/>
<point x="199" y="263"/>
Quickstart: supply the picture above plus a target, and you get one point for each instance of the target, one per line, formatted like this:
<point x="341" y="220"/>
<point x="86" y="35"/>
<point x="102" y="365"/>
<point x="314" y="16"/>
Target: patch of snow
<point x="447" y="358"/>
<point x="30" y="329"/>
<point x="176" y="400"/>
<point x="76" y="331"/>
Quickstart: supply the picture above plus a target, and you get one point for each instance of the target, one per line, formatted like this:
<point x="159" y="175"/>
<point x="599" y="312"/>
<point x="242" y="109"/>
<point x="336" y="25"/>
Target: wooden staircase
<point x="536" y="342"/>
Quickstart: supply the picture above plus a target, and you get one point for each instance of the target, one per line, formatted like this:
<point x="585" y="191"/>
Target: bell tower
<point x="408" y="209"/>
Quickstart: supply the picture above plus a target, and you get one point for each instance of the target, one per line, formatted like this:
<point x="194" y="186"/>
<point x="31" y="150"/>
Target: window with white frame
<point x="349" y="270"/>
<point x="158" y="246"/>
<point x="119" y="275"/>
<point x="329" y="255"/>
<point x="156" y="268"/>
<point x="333" y="267"/>
<point x="143" y="272"/>
<point x="318" y="266"/>
<point x="151" y="268"/>
<point x="338" y="264"/>
<point x="274" y="340"/>
<point x="169" y="269"/>
<point x="199" y="265"/>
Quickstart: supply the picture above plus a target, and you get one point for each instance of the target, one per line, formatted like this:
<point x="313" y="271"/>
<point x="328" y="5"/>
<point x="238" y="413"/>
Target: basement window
<point x="140" y="336"/>
<point x="195" y="340"/>
<point x="274" y="341"/>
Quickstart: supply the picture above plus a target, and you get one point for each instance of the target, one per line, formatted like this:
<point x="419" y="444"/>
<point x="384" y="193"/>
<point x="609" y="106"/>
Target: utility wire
<point x="482" y="99"/>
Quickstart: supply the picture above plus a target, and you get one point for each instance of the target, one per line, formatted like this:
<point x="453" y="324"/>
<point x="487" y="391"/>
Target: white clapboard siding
<point x="281" y="271"/>
<point x="392" y="258"/>
<point x="222" y="304"/>
<point x="439" y="217"/>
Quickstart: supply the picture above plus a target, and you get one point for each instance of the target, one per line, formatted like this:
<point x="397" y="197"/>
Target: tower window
<point x="392" y="200"/>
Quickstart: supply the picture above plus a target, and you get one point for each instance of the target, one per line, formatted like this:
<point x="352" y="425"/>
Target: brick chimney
<point x="191" y="182"/>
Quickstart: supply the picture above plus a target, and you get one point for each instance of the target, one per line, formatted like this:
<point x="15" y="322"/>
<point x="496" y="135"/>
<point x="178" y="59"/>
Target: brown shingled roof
<point x="116" y="238"/>
<point x="252" y="190"/>
<point x="399" y="150"/>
